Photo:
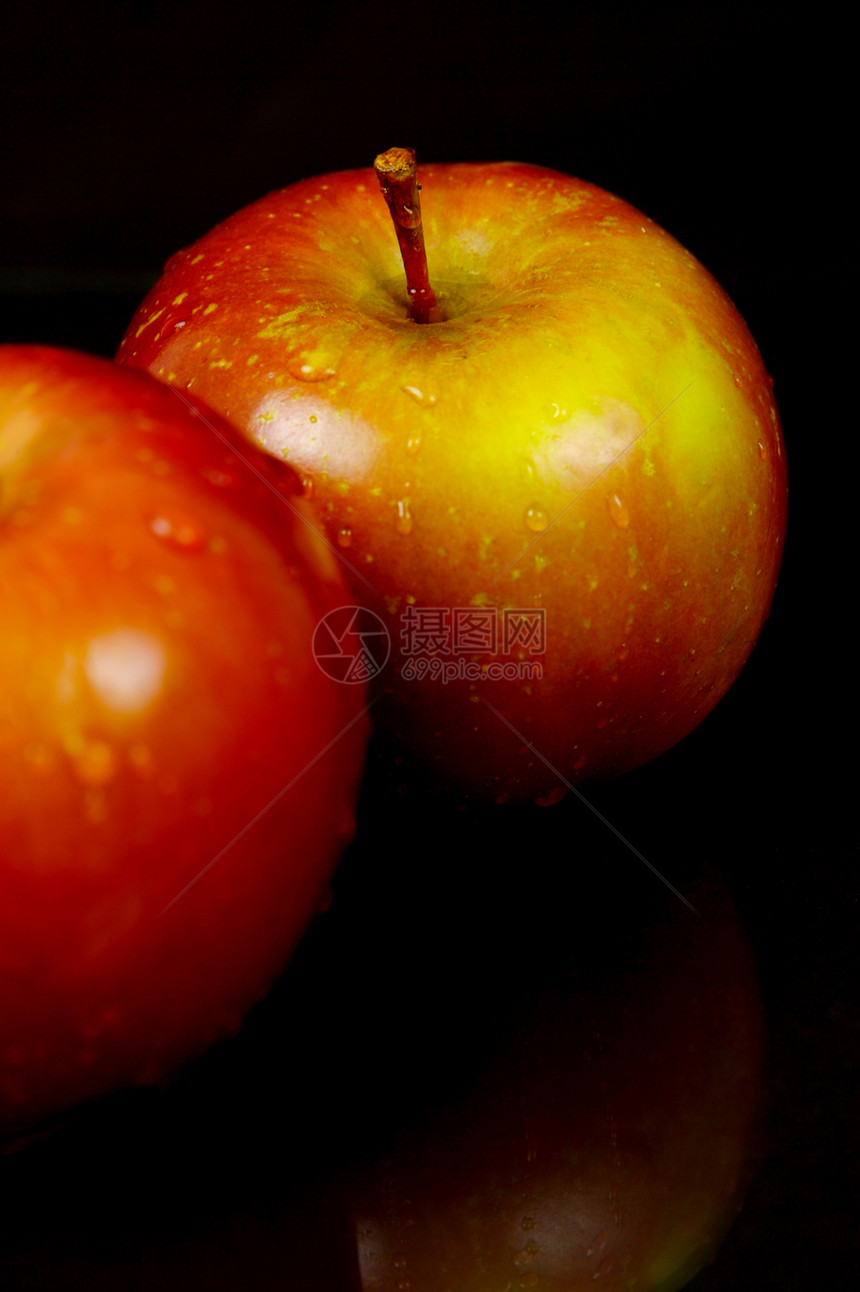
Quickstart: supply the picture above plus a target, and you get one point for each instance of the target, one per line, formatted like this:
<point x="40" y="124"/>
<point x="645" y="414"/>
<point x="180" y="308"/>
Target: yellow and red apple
<point x="579" y="451"/>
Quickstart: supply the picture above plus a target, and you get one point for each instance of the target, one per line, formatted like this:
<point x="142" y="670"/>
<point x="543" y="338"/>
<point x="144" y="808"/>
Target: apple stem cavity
<point x="397" y="173"/>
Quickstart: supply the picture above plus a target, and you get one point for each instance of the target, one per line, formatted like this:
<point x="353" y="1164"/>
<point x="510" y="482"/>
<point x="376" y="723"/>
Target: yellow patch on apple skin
<point x="281" y="326"/>
<point x="19" y="429"/>
<point x="149" y="321"/>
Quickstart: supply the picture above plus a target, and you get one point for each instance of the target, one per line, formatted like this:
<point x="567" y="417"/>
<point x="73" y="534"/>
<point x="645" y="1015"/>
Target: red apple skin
<point x="161" y="725"/>
<point x="589" y="430"/>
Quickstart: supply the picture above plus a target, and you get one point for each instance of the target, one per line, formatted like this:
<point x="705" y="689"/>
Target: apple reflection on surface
<point x="509" y="1061"/>
<point x="607" y="1125"/>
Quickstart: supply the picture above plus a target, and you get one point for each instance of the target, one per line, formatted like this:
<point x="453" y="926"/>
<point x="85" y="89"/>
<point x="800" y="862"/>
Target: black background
<point x="129" y="129"/>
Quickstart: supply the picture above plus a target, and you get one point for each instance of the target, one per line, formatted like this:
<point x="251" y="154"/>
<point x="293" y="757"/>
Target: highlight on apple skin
<point x="566" y="497"/>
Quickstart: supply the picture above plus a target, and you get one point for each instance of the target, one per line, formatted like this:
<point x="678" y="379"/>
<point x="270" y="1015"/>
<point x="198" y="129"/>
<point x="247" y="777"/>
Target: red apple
<point x="178" y="775"/>
<point x="581" y="430"/>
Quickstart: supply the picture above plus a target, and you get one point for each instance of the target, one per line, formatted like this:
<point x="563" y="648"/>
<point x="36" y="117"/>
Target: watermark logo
<point x="467" y="630"/>
<point x="445" y="644"/>
<point x="351" y="644"/>
<point x="439" y="644"/>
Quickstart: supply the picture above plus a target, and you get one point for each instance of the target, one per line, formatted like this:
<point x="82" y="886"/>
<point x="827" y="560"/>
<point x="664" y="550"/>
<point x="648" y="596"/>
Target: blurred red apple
<point x="178" y="776"/>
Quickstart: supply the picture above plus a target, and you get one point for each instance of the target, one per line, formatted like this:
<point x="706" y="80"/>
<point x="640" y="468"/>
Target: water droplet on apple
<point x="307" y="486"/>
<point x="96" y="764"/>
<point x="554" y="796"/>
<point x="598" y="1243"/>
<point x="169" y="326"/>
<point x="762" y="451"/>
<point x="618" y="511"/>
<point x="344" y="537"/>
<point x="413" y="444"/>
<point x="39" y="758"/>
<point x="403" y="521"/>
<point x="141" y="760"/>
<point x="220" y="479"/>
<point x="181" y="532"/>
<point x="523" y="1258"/>
<point x="420" y="396"/>
<point x="536" y="518"/>
<point x="313" y="365"/>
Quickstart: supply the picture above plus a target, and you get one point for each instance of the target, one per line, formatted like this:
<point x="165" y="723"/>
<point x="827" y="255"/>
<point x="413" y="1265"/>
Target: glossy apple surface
<point x="588" y="432"/>
<point x="178" y="776"/>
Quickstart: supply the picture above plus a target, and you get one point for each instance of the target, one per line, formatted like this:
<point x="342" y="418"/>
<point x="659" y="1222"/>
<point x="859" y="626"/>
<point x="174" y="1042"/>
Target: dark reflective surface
<point x="508" y="1050"/>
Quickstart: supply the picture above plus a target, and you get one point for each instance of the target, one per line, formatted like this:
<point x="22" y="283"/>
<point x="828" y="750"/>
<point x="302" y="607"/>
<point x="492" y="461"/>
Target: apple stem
<point x="397" y="173"/>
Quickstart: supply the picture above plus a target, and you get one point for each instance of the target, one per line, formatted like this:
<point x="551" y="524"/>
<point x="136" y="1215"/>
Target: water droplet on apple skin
<point x="96" y="764"/>
<point x="220" y="479"/>
<point x="169" y="326"/>
<point x="403" y="521"/>
<point x="554" y="796"/>
<point x="180" y="532"/>
<point x="618" y="511"/>
<point x="606" y="1266"/>
<point x="313" y="366"/>
<point x="536" y="518"/>
<point x="598" y="1244"/>
<point x="344" y="537"/>
<point x="413" y="444"/>
<point x="421" y="397"/>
